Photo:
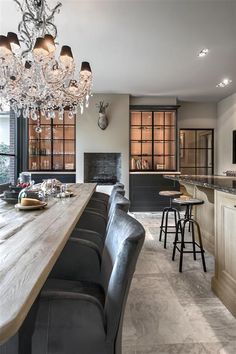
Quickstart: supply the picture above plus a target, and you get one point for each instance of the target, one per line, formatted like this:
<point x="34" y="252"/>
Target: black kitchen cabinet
<point x="144" y="191"/>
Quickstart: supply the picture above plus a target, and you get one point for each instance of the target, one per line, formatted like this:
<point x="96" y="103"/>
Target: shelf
<point x="40" y="139"/>
<point x="143" y="155"/>
<point x="163" y="126"/>
<point x="52" y="171"/>
<point x="171" y="155"/>
<point x="30" y="155"/>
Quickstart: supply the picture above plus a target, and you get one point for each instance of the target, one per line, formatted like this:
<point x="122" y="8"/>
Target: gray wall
<point x="197" y="115"/>
<point x="90" y="138"/>
<point x="226" y="123"/>
<point x="152" y="100"/>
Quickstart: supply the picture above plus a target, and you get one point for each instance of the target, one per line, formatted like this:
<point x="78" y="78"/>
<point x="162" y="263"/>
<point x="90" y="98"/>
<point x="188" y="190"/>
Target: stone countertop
<point x="221" y="183"/>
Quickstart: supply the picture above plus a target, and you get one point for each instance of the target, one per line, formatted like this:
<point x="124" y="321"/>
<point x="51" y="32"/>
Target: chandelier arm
<point x="56" y="8"/>
<point x="54" y="28"/>
<point x="65" y="75"/>
<point x="29" y="8"/>
<point x="19" y="4"/>
<point x="76" y="97"/>
<point x="27" y="17"/>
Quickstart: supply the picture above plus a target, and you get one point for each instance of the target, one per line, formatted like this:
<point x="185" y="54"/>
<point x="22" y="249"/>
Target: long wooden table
<point x="30" y="243"/>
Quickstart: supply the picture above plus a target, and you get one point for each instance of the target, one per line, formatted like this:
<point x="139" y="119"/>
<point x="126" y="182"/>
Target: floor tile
<point x="170" y="312"/>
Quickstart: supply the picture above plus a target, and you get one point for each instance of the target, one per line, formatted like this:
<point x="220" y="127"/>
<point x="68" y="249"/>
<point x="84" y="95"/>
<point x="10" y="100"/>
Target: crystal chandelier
<point x="32" y="79"/>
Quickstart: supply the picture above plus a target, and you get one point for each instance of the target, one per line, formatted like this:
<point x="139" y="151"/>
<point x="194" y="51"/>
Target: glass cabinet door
<point x="51" y="143"/>
<point x="141" y="141"/>
<point x="153" y="140"/>
<point x="196" y="151"/>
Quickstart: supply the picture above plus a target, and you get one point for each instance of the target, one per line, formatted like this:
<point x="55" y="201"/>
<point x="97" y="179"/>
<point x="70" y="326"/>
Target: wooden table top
<point x="30" y="243"/>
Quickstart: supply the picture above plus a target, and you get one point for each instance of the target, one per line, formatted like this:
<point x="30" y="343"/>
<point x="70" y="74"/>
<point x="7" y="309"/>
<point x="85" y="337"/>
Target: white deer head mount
<point x="102" y="120"/>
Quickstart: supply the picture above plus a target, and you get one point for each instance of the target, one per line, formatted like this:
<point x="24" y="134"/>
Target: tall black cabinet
<point x="153" y="153"/>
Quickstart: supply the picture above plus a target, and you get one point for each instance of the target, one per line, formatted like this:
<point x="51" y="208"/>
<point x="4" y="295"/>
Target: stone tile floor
<point x="173" y="313"/>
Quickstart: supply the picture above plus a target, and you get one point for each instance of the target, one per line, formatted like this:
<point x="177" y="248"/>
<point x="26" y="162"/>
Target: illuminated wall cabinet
<point x="153" y="140"/>
<point x="51" y="143"/>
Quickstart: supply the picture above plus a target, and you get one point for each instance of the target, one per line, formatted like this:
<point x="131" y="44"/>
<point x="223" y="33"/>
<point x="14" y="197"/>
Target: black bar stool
<point x="165" y="215"/>
<point x="188" y="203"/>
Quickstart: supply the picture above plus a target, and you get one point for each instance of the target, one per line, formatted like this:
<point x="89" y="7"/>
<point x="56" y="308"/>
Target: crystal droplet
<point x="34" y="116"/>
<point x="47" y="115"/>
<point x="25" y="113"/>
<point x="61" y="113"/>
<point x="38" y="129"/>
<point x="70" y="115"/>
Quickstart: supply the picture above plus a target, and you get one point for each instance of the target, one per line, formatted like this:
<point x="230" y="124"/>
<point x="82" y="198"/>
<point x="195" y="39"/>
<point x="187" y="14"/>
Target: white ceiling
<point x="148" y="47"/>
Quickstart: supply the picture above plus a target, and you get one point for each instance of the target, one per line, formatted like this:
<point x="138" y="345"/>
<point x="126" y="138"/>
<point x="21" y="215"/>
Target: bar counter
<point x="220" y="183"/>
<point x="217" y="220"/>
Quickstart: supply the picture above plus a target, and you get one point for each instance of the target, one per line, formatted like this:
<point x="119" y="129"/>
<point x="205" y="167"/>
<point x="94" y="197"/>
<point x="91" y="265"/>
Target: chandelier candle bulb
<point x="40" y="49"/>
<point x="49" y="41"/>
<point x="13" y="40"/>
<point x="85" y="67"/>
<point x="5" y="47"/>
<point x="66" y="56"/>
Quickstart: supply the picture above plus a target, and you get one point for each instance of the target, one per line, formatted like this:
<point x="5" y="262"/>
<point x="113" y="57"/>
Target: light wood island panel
<point x="30" y="243"/>
<point x="217" y="220"/>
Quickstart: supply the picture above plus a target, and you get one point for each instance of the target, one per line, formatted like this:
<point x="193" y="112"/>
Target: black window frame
<point x="12" y="117"/>
<point x="194" y="166"/>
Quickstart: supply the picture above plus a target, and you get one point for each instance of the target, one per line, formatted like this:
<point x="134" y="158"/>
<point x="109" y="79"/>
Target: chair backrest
<point x="119" y="202"/>
<point x="119" y="185"/>
<point x="123" y="243"/>
<point x="112" y="196"/>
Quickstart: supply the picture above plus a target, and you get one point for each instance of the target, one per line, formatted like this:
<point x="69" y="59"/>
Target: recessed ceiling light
<point x="203" y="52"/>
<point x="224" y="83"/>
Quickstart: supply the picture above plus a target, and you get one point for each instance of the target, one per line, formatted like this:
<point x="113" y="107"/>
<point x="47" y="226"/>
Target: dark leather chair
<point x="102" y="207"/>
<point x="85" y="244"/>
<point x="96" y="223"/>
<point x="90" y="217"/>
<point x="105" y="197"/>
<point x="77" y="317"/>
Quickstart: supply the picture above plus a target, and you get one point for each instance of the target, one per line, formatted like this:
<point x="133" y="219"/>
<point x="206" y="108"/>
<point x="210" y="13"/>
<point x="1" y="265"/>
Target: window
<point x="196" y="151"/>
<point x="7" y="147"/>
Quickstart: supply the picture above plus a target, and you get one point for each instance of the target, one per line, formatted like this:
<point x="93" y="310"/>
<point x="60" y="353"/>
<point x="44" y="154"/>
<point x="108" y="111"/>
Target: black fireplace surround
<point x="102" y="168"/>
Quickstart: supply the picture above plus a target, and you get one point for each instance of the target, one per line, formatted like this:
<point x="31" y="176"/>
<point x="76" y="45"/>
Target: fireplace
<point x="102" y="168"/>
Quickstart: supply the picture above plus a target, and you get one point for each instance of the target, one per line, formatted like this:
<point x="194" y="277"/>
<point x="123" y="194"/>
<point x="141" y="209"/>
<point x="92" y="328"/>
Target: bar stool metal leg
<point x="193" y="238"/>
<point x="176" y="238"/>
<point x="162" y="223"/>
<point x="166" y="228"/>
<point x="182" y="246"/>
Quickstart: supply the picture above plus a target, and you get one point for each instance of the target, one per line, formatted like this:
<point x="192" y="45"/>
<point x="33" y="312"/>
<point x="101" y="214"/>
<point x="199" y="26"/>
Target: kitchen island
<point x="217" y="220"/>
